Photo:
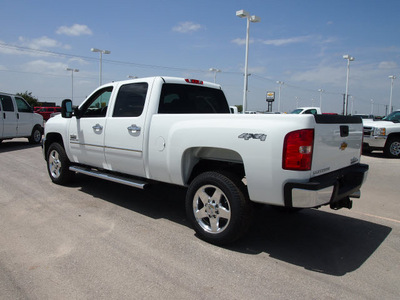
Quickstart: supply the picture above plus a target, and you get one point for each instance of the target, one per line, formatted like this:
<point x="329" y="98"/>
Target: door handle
<point x="134" y="129"/>
<point x="97" y="127"/>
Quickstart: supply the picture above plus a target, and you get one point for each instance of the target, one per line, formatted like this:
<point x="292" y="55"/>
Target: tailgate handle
<point x="344" y="130"/>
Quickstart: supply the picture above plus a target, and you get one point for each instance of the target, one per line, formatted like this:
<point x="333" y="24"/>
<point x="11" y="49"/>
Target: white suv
<point x="17" y="119"/>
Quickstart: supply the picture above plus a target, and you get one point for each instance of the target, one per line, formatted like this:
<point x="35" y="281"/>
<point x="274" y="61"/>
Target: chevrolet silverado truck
<point x="383" y="135"/>
<point x="181" y="132"/>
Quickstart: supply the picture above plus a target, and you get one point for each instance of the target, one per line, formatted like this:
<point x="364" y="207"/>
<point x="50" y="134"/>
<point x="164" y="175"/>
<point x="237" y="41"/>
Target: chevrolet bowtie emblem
<point x="343" y="146"/>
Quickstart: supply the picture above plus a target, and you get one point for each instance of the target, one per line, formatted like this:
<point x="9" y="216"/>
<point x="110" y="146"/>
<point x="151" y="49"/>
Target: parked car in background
<point x="383" y="135"/>
<point x="46" y="112"/>
<point x="17" y="119"/>
<point x="364" y="116"/>
<point x="307" y="110"/>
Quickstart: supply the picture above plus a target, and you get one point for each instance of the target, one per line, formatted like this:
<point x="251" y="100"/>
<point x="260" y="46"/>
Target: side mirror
<point x="66" y="108"/>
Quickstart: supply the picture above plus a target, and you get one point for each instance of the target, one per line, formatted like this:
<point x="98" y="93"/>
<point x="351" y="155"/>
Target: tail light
<point x="298" y="149"/>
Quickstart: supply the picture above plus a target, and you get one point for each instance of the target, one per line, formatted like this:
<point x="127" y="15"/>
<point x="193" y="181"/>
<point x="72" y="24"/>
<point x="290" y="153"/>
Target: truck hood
<point x="379" y="124"/>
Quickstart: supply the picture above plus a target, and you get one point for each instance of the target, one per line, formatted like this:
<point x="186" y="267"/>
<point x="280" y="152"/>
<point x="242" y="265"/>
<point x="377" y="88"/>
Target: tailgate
<point x="337" y="143"/>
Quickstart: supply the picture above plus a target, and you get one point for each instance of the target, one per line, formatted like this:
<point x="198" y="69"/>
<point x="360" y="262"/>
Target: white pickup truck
<point x="180" y="131"/>
<point x="307" y="110"/>
<point x="383" y="135"/>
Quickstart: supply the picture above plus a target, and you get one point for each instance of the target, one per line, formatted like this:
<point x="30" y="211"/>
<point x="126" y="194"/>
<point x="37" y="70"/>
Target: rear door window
<point x="130" y="100"/>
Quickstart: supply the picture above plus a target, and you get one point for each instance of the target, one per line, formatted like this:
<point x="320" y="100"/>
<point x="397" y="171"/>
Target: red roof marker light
<point x="195" y="81"/>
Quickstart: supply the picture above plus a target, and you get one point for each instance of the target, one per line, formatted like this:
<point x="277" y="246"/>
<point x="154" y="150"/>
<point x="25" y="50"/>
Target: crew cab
<point x="383" y="135"/>
<point x="180" y="131"/>
<point x="17" y="119"/>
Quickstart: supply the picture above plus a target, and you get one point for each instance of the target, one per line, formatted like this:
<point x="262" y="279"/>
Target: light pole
<point x="72" y="81"/>
<point x="254" y="19"/>
<point x="215" y="73"/>
<point x="372" y="106"/>
<point x="349" y="59"/>
<point x="101" y="59"/>
<point x="320" y="98"/>
<point x="279" y="95"/>
<point x="392" y="77"/>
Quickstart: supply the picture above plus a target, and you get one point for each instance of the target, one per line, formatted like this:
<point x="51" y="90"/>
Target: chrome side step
<point x="110" y="177"/>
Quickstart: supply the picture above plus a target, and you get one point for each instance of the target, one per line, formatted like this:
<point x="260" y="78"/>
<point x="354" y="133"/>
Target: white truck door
<point x="86" y="134"/>
<point x="125" y="130"/>
<point x="9" y="116"/>
<point x="24" y="117"/>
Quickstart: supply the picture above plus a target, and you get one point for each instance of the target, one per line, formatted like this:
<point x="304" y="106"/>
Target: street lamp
<point x="279" y="95"/>
<point x="101" y="58"/>
<point x="254" y="19"/>
<point x="320" y="98"/>
<point x="392" y="77"/>
<point x="349" y="59"/>
<point x="215" y="72"/>
<point x="372" y="106"/>
<point x="72" y="81"/>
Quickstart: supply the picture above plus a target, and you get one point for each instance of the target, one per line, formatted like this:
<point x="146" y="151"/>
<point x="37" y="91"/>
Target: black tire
<point x="392" y="147"/>
<point x="218" y="207"/>
<point x="36" y="136"/>
<point x="58" y="165"/>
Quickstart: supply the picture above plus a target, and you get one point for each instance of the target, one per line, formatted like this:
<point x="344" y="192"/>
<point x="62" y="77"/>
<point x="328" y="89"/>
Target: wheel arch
<point x="393" y="135"/>
<point x="198" y="160"/>
<point x="52" y="137"/>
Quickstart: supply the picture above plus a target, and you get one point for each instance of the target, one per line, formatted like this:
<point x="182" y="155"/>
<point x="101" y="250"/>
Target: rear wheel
<point x="218" y="207"/>
<point x="58" y="164"/>
<point x="392" y="147"/>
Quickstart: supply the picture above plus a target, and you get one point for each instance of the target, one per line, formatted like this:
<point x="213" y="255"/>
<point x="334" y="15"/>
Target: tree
<point x="33" y="101"/>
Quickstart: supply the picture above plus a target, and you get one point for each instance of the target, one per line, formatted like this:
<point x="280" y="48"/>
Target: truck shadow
<point x="316" y="240"/>
<point x="313" y="239"/>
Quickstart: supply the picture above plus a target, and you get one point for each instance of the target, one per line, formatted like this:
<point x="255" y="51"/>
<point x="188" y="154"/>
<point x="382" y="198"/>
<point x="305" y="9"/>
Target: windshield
<point x="394" y="117"/>
<point x="297" y="111"/>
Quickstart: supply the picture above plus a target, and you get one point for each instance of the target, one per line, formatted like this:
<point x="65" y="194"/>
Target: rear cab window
<point x="189" y="99"/>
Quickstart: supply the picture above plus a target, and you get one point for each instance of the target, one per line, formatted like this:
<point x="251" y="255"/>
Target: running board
<point x="110" y="177"/>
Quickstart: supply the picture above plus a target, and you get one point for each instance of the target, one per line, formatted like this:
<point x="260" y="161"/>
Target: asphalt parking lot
<point x="100" y="240"/>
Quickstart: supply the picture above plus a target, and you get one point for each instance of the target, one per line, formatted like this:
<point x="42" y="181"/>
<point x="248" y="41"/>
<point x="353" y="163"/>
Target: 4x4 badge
<point x="256" y="136"/>
<point x="343" y="146"/>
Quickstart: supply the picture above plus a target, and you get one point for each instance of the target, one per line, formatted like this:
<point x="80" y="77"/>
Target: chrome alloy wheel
<point x="211" y="209"/>
<point x="54" y="164"/>
<point x="395" y="148"/>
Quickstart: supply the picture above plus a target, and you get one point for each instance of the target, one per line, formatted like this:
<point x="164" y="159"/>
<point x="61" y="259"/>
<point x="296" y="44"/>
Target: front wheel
<point x="218" y="207"/>
<point x="392" y="147"/>
<point x="36" y="136"/>
<point x="58" y="164"/>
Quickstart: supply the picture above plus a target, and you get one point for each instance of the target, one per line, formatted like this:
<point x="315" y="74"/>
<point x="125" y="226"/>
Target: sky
<point x="300" y="43"/>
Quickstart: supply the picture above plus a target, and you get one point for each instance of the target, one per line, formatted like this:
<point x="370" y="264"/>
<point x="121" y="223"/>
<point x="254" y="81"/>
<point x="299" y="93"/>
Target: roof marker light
<point x="195" y="81"/>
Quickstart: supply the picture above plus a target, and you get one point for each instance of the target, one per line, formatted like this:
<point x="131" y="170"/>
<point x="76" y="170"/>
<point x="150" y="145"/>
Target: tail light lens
<point x="298" y="149"/>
